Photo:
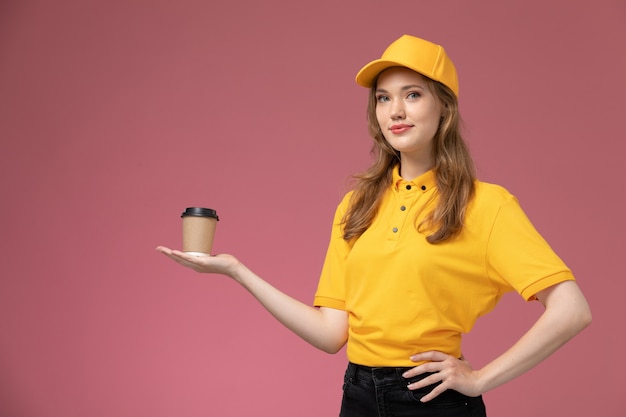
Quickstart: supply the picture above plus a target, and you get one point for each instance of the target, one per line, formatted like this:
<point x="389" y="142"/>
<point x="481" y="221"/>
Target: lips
<point x="397" y="129"/>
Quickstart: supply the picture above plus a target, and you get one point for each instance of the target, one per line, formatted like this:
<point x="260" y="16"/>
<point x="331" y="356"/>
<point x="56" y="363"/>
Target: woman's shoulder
<point x="488" y="204"/>
<point x="345" y="201"/>
<point x="491" y="194"/>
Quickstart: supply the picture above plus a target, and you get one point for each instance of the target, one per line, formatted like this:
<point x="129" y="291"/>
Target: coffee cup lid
<point x="200" y="212"/>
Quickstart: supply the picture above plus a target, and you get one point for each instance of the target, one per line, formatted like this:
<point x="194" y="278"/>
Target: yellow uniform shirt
<point x="404" y="295"/>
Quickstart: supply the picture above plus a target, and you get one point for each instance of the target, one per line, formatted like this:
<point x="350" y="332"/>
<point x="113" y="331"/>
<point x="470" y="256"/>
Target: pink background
<point x="116" y="115"/>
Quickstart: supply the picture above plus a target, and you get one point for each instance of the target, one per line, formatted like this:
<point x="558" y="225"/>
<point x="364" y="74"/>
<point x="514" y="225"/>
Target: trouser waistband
<point x="392" y="376"/>
<point x="383" y="392"/>
<point x="389" y="375"/>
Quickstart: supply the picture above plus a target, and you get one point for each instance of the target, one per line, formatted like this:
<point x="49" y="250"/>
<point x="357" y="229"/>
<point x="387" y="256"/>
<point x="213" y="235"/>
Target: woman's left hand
<point x="453" y="373"/>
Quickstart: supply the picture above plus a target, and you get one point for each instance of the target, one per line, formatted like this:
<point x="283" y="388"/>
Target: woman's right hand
<point x="218" y="264"/>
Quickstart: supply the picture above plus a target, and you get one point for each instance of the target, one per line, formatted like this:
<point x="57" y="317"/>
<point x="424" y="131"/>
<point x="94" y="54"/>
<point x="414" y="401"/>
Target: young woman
<point x="418" y="251"/>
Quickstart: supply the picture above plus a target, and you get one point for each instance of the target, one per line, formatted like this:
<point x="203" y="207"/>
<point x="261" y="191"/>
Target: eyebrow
<point x="405" y="88"/>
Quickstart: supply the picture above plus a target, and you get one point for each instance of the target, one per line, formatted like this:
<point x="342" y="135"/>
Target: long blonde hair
<point x="453" y="167"/>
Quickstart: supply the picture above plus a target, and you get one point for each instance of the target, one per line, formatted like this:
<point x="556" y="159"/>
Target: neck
<point x="412" y="168"/>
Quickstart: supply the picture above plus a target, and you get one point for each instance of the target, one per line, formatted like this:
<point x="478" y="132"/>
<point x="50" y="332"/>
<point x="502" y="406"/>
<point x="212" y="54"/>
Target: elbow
<point x="586" y="318"/>
<point x="580" y="319"/>
<point x="567" y="306"/>
<point x="332" y="348"/>
<point x="329" y="350"/>
<point x="584" y="315"/>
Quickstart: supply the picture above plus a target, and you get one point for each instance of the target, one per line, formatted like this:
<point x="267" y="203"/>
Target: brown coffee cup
<point x="198" y="230"/>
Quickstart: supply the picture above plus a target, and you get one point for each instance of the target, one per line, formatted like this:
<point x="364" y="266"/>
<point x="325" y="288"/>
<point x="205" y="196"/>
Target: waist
<point x="375" y="350"/>
<point x="382" y="375"/>
<point x="392" y="377"/>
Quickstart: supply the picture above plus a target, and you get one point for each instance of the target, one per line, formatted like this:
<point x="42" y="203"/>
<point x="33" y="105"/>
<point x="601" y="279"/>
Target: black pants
<point x="383" y="392"/>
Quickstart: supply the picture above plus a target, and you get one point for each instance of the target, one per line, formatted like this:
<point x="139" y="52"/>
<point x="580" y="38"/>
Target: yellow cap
<point x="425" y="57"/>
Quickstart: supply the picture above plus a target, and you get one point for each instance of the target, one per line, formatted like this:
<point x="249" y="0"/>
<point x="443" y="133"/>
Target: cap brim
<point x="366" y="76"/>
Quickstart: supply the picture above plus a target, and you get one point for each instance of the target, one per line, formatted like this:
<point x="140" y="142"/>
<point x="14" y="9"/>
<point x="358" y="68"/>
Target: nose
<point x="397" y="110"/>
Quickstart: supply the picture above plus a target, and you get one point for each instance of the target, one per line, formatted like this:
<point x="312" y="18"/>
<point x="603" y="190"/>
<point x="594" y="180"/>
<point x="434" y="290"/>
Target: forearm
<point x="324" y="329"/>
<point x="566" y="314"/>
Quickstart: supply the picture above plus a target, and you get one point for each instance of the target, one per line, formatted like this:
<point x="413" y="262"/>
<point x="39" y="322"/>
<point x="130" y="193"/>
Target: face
<point x="408" y="114"/>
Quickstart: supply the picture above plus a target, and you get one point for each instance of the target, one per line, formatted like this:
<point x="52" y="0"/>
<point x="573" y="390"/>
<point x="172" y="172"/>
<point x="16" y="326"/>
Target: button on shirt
<point x="404" y="295"/>
<point x="407" y="195"/>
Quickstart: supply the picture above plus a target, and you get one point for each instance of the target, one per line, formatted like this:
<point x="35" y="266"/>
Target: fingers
<point x="447" y="370"/>
<point x="210" y="264"/>
<point x="176" y="254"/>
<point x="434" y="393"/>
<point x="425" y="382"/>
<point x="432" y="363"/>
<point x="182" y="258"/>
<point x="431" y="355"/>
<point x="163" y="250"/>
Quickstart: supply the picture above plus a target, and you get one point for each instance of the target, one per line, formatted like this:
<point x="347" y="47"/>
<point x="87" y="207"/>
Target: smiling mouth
<point x="396" y="129"/>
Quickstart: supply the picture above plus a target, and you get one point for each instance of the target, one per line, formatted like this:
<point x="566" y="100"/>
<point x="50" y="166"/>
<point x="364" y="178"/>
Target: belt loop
<point x="351" y="372"/>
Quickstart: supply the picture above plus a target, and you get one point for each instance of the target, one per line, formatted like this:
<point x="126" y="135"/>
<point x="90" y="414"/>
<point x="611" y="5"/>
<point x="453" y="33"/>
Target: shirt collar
<point x="424" y="182"/>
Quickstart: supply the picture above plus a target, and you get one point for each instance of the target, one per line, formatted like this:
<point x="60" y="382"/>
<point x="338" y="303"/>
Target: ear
<point x="444" y="111"/>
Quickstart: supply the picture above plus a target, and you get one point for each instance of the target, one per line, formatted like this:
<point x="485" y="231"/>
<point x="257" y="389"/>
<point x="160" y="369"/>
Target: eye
<point x="413" y="95"/>
<point x="381" y="98"/>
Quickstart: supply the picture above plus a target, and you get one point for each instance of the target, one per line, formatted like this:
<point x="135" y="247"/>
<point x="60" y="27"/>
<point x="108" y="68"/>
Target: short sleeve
<point x="518" y="257"/>
<point x="331" y="287"/>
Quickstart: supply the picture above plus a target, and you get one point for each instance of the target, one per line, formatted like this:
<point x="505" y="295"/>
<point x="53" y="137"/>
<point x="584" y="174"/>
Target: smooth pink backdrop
<point x="116" y="115"/>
